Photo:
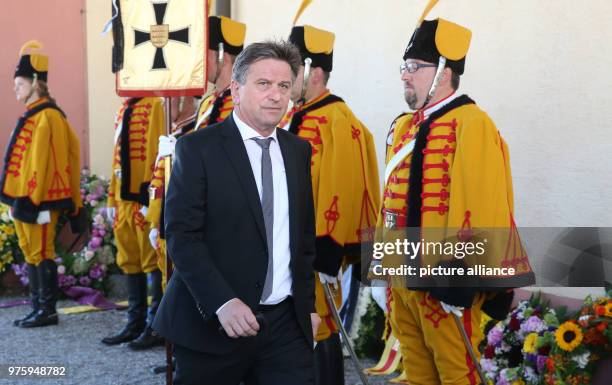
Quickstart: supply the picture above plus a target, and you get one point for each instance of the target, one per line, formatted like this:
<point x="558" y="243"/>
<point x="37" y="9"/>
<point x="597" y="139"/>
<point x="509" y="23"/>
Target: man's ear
<point x="234" y="90"/>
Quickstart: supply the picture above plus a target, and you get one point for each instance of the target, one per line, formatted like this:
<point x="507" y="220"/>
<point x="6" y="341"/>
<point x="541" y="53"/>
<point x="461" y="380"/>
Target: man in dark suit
<point x="240" y="230"/>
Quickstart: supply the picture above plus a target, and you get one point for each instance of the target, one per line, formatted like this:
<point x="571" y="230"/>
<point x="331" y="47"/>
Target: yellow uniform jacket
<point x="344" y="179"/>
<point x="457" y="180"/>
<point x="139" y="124"/>
<point x="214" y="108"/>
<point x="41" y="165"/>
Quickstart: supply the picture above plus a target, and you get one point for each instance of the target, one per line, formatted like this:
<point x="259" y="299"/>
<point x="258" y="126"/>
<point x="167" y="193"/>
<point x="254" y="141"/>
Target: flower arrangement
<point x="90" y="266"/>
<point x="580" y="342"/>
<point x="517" y="349"/>
<point x="539" y="345"/>
<point x="8" y="240"/>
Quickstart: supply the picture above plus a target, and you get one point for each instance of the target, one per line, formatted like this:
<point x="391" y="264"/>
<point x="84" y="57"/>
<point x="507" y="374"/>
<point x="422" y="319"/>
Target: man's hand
<point x="166" y="146"/>
<point x="44" y="217"/>
<point x="110" y="213"/>
<point x="153" y="235"/>
<point x="237" y="319"/>
<point x="328" y="279"/>
<point x="379" y="294"/>
<point x="315" y="320"/>
<point x="456" y="310"/>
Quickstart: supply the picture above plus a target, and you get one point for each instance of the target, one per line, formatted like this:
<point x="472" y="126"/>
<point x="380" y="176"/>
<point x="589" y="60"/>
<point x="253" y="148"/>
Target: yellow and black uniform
<point x="139" y="124"/>
<point x="447" y="169"/>
<point x="345" y="189"/>
<point x="40" y="181"/>
<point x="214" y="108"/>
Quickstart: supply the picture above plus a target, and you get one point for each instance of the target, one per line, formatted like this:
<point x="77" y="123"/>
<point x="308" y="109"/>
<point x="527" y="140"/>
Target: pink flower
<point x="495" y="335"/>
<point x="95" y="243"/>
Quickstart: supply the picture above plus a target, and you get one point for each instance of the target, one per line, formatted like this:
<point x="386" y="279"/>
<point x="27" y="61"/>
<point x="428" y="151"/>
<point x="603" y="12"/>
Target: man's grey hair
<point x="279" y="50"/>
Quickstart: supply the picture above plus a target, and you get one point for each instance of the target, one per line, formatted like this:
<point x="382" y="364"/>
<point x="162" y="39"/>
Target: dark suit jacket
<point x="216" y="235"/>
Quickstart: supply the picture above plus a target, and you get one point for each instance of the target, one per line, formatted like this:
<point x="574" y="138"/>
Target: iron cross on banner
<point x="159" y="35"/>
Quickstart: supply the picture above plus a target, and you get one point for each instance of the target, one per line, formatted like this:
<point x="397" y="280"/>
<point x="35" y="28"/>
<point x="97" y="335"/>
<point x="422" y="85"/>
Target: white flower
<point x="98" y="219"/>
<point x="582" y="359"/>
<point x="89" y="255"/>
<point x="61" y="269"/>
<point x="5" y="217"/>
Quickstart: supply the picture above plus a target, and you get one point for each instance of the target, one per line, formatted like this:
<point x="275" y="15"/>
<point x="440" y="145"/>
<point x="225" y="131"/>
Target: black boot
<point x="149" y="338"/>
<point x="34" y="294"/>
<point x="329" y="362"/>
<point x="46" y="314"/>
<point x="136" y="312"/>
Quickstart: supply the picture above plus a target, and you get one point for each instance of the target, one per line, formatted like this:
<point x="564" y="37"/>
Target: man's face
<point x="23" y="87"/>
<point x="296" y="90"/>
<point x="262" y="100"/>
<point x="417" y="84"/>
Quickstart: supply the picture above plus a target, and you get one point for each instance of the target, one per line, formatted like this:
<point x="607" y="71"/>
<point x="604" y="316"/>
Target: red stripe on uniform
<point x="467" y="324"/>
<point x="44" y="241"/>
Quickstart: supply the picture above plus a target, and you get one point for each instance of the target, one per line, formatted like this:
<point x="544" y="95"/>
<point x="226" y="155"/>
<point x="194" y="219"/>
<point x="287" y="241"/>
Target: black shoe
<point x="163" y="368"/>
<point x="34" y="294"/>
<point x="136" y="312"/>
<point x="46" y="315"/>
<point x="43" y="317"/>
<point x="148" y="339"/>
<point x="127" y="334"/>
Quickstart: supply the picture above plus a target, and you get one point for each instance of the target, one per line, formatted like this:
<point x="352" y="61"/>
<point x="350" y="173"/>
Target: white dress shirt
<point x="282" y="281"/>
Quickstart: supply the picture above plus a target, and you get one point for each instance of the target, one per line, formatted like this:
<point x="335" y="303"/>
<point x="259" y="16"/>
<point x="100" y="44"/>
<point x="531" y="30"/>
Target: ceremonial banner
<point x="160" y="47"/>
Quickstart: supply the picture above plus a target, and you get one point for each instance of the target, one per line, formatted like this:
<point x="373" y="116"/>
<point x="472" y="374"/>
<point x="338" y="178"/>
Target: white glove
<point x="143" y="210"/>
<point x="153" y="235"/>
<point x="110" y="213"/>
<point x="456" y="310"/>
<point x="379" y="294"/>
<point x="329" y="279"/>
<point x="166" y="146"/>
<point x="43" y="217"/>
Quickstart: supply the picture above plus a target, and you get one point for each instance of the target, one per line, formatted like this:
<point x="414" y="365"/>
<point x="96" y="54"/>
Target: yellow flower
<point x="9" y="230"/>
<point x="530" y="343"/>
<point x="568" y="336"/>
<point x="518" y="382"/>
<point x="608" y="309"/>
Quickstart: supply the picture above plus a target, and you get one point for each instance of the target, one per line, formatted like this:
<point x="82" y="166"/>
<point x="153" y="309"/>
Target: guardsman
<point x="139" y="124"/>
<point x="344" y="180"/>
<point x="447" y="169"/>
<point x="226" y="40"/>
<point x="40" y="181"/>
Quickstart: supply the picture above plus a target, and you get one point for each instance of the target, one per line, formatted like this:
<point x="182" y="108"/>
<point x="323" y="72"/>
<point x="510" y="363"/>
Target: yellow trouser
<point x="160" y="251"/>
<point x="432" y="348"/>
<point x="134" y="251"/>
<point x="37" y="242"/>
<point x="328" y="325"/>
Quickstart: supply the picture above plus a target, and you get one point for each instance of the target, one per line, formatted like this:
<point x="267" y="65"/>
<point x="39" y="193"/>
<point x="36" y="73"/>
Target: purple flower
<point x="85" y="281"/>
<point x="66" y="280"/>
<point x="495" y="335"/>
<point x="541" y="363"/>
<point x="24" y="280"/>
<point x="533" y="324"/>
<point x="95" y="243"/>
<point x="96" y="272"/>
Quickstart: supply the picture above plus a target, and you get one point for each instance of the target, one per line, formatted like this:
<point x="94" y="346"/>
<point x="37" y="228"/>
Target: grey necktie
<point x="267" y="206"/>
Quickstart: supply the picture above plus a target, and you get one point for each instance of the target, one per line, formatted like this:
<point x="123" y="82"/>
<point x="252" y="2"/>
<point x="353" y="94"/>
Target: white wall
<point x="103" y="102"/>
<point x="541" y="69"/>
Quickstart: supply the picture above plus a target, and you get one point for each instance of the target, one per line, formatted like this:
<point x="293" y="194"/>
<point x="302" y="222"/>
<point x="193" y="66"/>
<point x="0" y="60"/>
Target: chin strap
<point x="307" y="66"/>
<point x="220" y="62"/>
<point x="436" y="80"/>
<point x="34" y="82"/>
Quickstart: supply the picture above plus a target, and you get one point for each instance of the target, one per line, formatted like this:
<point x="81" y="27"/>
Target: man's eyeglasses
<point x="413" y="67"/>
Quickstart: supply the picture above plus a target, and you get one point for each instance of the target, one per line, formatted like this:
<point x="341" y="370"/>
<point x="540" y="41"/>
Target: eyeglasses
<point x="413" y="67"/>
